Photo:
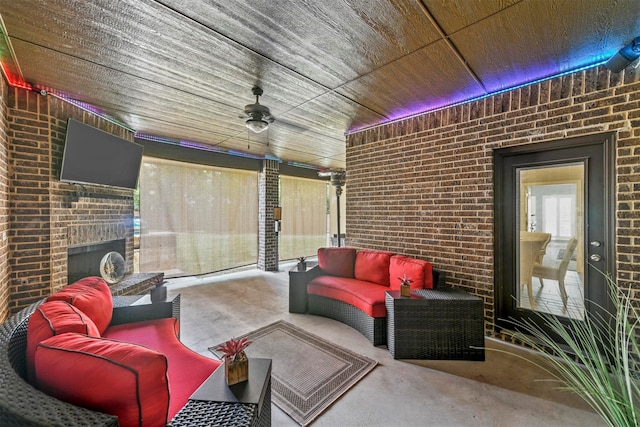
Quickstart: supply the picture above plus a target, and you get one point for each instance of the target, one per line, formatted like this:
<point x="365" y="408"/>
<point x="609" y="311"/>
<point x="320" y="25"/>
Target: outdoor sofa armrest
<point x="23" y="405"/>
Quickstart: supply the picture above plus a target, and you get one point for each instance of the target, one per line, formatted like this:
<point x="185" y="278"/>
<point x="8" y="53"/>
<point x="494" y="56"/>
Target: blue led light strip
<point x="533" y="82"/>
<point x="93" y="110"/>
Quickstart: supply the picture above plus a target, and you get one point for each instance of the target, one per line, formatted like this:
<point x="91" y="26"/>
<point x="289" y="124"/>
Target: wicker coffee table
<point x="443" y="323"/>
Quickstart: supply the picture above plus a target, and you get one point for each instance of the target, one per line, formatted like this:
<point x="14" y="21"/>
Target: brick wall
<point x="103" y="214"/>
<point x="269" y="197"/>
<point x="424" y="186"/>
<point x="47" y="215"/>
<point x="5" y="288"/>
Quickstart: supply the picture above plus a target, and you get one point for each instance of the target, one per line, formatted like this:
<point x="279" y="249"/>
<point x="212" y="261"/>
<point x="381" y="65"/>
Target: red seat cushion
<point x="373" y="266"/>
<point x="368" y="297"/>
<point x="187" y="369"/>
<point x="54" y="318"/>
<point x="418" y="270"/>
<point x="118" y="378"/>
<point x="92" y="296"/>
<point x="337" y="261"/>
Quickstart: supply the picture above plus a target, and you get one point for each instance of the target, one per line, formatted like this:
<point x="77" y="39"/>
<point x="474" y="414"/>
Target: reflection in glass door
<point x="550" y="218"/>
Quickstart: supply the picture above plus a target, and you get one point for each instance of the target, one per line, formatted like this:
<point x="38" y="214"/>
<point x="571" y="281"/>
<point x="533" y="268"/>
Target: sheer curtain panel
<point x="196" y="219"/>
<point x="304" y="216"/>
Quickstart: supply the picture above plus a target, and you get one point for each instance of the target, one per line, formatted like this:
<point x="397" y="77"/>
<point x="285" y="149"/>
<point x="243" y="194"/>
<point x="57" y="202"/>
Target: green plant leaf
<point x="603" y="365"/>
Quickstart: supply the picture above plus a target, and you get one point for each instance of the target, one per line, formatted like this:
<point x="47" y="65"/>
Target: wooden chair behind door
<point x="545" y="272"/>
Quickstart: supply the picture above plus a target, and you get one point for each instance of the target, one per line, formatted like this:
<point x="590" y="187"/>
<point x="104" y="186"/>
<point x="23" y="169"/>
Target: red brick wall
<point x="29" y="171"/>
<point x="424" y="186"/>
<point x="269" y="196"/>
<point x="46" y="215"/>
<point x="5" y="288"/>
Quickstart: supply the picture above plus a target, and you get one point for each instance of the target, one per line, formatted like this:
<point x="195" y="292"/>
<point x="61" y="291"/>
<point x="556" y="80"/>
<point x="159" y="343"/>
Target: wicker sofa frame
<point x="20" y="403"/>
<point x="374" y="328"/>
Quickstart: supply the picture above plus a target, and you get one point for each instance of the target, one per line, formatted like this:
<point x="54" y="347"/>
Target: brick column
<point x="268" y="198"/>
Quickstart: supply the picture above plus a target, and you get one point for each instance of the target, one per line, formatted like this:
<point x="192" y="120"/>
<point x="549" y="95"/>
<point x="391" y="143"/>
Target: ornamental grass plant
<point x="599" y="359"/>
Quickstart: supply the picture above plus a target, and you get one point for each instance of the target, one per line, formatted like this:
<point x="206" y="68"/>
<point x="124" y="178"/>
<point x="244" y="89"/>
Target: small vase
<point x="302" y="266"/>
<point x="237" y="371"/>
<point x="405" y="290"/>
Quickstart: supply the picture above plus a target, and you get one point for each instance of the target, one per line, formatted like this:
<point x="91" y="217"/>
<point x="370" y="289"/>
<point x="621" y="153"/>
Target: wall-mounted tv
<point x="92" y="156"/>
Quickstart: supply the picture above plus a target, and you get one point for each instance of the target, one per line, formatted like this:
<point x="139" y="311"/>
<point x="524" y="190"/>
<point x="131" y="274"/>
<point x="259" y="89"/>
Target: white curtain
<point x="196" y="219"/>
<point x="304" y="216"/>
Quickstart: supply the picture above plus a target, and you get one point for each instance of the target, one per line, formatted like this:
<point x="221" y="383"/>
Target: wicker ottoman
<point x="442" y="323"/>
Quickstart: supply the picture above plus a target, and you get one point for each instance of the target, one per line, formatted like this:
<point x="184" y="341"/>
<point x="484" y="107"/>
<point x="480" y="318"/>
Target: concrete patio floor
<point x="502" y="391"/>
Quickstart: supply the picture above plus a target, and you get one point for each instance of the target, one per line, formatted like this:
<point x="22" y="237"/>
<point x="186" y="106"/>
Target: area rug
<point x="308" y="373"/>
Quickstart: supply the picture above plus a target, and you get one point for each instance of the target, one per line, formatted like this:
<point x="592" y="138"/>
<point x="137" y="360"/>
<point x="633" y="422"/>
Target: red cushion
<point x="118" y="378"/>
<point x="373" y="266"/>
<point x="368" y="297"/>
<point x="92" y="296"/>
<point x="54" y="318"/>
<point x="418" y="270"/>
<point x="187" y="369"/>
<point x="337" y="261"/>
<point x="405" y="267"/>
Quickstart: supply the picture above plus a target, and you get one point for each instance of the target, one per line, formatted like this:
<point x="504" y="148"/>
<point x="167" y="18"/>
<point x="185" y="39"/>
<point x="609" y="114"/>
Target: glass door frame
<point x="550" y="153"/>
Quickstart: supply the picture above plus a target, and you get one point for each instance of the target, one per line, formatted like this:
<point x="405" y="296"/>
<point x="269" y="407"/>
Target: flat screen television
<point x="92" y="156"/>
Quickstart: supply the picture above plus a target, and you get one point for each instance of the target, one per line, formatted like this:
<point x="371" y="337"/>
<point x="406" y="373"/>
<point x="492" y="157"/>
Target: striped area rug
<point x="308" y="373"/>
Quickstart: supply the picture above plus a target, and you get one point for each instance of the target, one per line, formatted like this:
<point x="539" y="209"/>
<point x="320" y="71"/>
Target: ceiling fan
<point x="258" y="116"/>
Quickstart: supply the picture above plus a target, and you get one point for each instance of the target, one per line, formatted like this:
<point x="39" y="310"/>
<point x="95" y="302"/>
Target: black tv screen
<point x="92" y="156"/>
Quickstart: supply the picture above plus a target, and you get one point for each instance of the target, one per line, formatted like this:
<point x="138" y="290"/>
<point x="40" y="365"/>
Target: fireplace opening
<point x="84" y="260"/>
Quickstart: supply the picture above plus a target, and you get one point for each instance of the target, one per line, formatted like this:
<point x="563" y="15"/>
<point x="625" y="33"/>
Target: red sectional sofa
<point x="137" y="371"/>
<point x="349" y="285"/>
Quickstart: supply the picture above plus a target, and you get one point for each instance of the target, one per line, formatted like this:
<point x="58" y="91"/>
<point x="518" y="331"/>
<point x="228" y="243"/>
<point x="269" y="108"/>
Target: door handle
<point x="595" y="257"/>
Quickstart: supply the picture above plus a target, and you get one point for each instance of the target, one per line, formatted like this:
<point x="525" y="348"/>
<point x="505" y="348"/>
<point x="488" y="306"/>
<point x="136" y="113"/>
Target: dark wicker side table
<point x="442" y="323"/>
<point x="136" y="308"/>
<point x="246" y="404"/>
<point x="298" y="280"/>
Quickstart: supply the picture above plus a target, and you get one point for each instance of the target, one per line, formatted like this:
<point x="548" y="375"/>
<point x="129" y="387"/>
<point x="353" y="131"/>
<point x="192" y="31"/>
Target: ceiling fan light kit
<point x="256" y="126"/>
<point x="258" y="115"/>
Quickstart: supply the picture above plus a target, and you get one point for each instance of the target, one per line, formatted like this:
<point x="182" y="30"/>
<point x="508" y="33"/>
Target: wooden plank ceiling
<point x="183" y="70"/>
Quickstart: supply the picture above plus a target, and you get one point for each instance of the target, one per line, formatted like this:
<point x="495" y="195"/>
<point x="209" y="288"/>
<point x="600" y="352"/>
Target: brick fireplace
<point x="84" y="260"/>
<point x="88" y="243"/>
<point x="49" y="218"/>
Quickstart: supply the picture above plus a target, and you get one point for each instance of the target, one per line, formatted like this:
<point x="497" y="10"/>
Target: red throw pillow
<point x="92" y="296"/>
<point x="373" y="266"/>
<point x="113" y="377"/>
<point x="418" y="270"/>
<point x="337" y="261"/>
<point x="54" y="318"/>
